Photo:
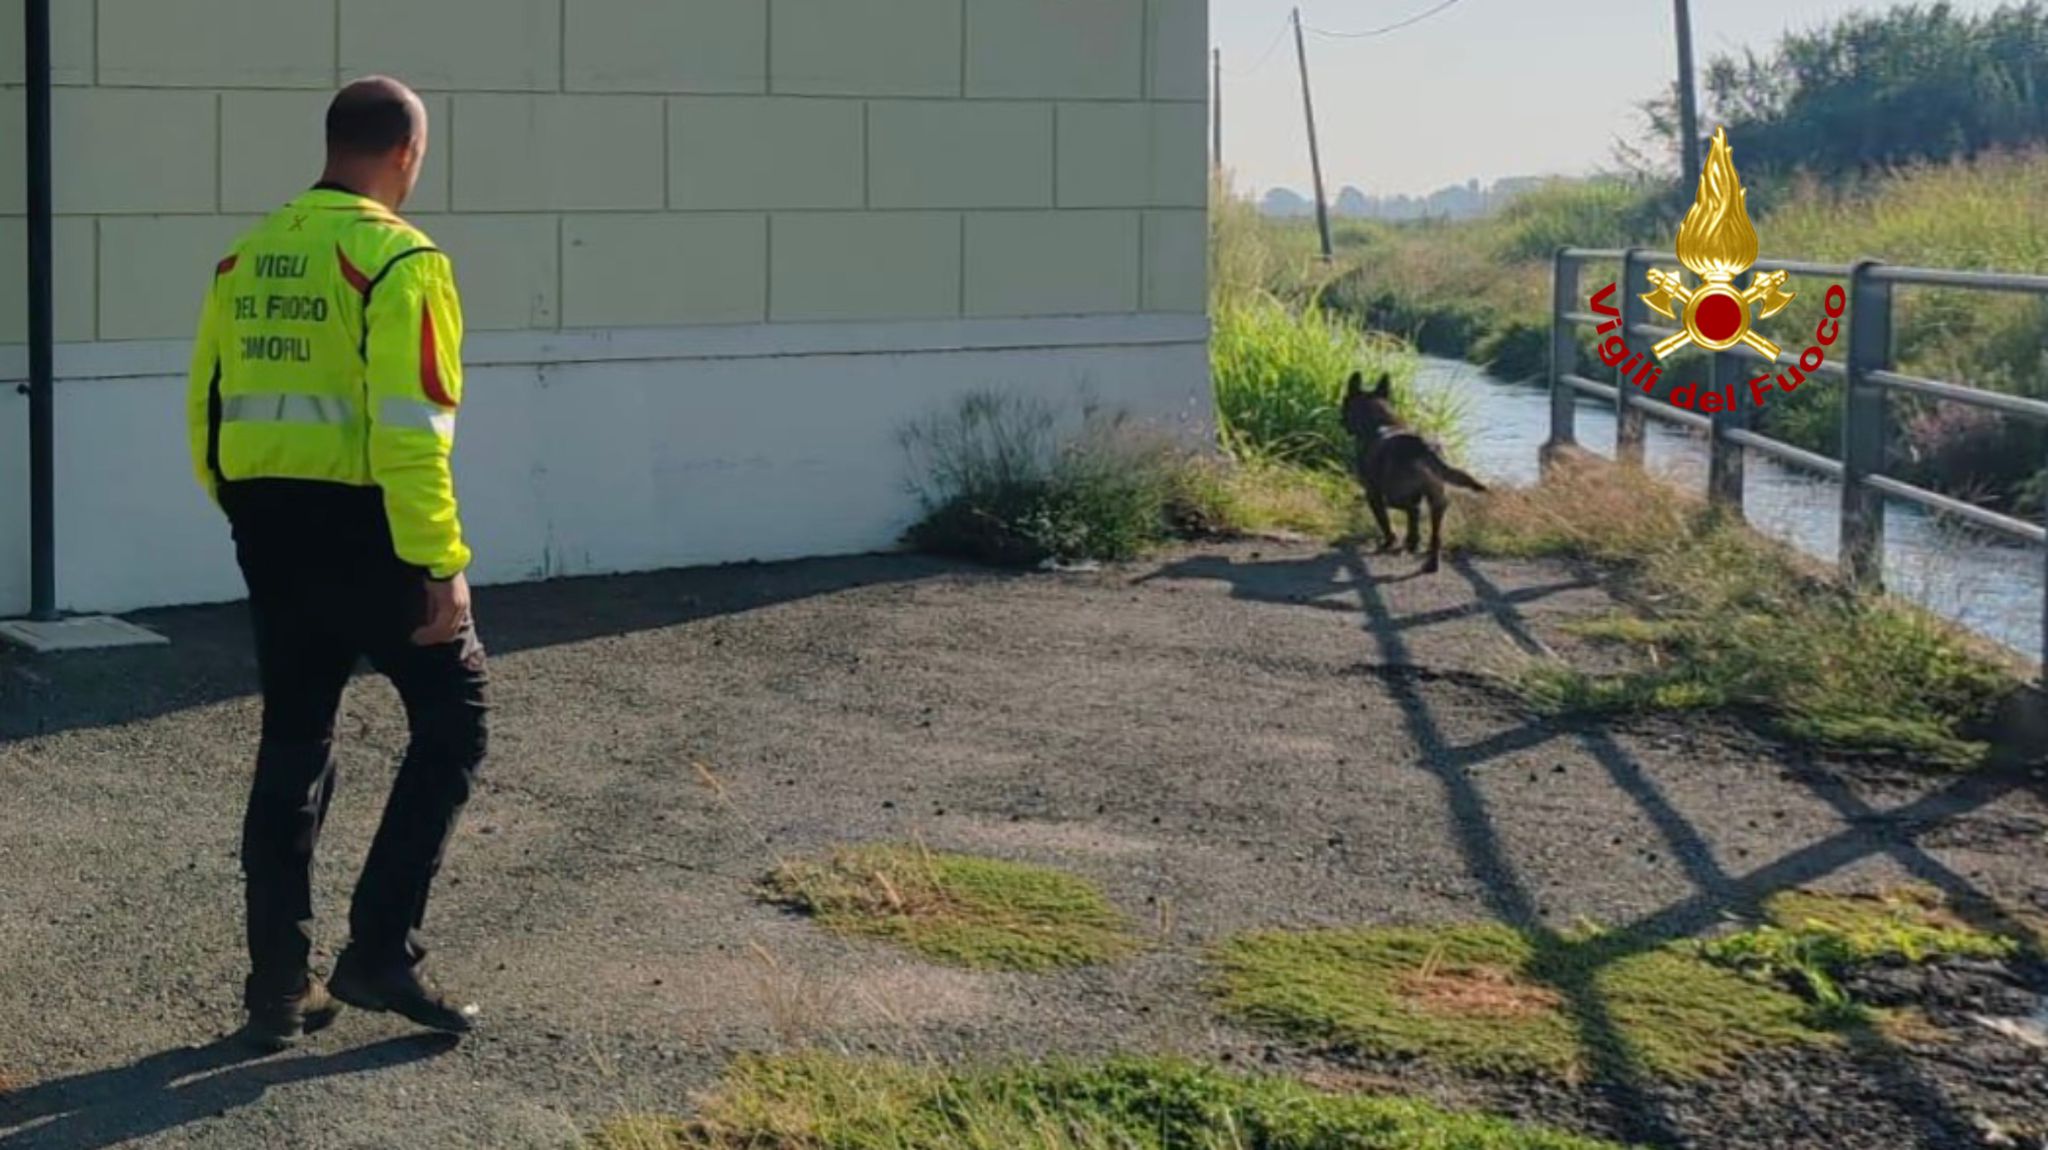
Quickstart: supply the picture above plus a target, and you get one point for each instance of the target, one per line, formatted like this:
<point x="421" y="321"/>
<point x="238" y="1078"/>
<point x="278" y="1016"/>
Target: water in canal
<point x="1991" y="587"/>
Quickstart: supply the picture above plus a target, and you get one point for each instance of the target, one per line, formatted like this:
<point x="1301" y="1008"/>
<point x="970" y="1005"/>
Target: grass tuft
<point x="1489" y="999"/>
<point x="1220" y="497"/>
<point x="1580" y="511"/>
<point x="1732" y="621"/>
<point x="823" y="1102"/>
<point x="1014" y="480"/>
<point x="957" y="909"/>
<point x="643" y="1132"/>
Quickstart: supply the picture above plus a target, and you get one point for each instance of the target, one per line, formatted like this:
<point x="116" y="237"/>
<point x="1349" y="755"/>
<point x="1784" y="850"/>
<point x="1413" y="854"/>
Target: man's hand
<point x="447" y="611"/>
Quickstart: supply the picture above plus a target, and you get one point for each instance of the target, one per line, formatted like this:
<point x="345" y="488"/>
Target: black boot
<point x="402" y="990"/>
<point x="278" y="1023"/>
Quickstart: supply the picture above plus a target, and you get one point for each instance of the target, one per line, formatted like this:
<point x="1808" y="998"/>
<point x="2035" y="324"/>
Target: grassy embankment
<point x="1720" y="619"/>
<point x="1480" y="291"/>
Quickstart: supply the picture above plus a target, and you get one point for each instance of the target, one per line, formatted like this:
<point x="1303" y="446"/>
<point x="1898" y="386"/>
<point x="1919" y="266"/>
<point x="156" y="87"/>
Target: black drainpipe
<point x="42" y="517"/>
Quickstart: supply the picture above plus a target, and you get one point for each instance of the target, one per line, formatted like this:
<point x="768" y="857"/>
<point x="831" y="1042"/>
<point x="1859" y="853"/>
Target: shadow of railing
<point x="1616" y="1071"/>
<point x="1572" y="964"/>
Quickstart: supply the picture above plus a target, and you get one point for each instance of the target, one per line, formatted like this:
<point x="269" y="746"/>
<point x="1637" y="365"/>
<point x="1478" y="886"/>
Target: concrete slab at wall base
<point x="598" y="453"/>
<point x="86" y="633"/>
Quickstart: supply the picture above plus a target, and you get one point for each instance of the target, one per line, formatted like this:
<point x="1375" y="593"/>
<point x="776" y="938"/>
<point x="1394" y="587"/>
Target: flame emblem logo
<point x="1717" y="243"/>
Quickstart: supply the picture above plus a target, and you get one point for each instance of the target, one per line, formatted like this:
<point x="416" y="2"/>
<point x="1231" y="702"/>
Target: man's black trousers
<point x="325" y="590"/>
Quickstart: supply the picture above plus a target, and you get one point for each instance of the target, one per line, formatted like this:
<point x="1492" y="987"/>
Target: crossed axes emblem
<point x="1716" y="315"/>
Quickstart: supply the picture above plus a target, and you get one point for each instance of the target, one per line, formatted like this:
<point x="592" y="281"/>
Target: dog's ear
<point x="1356" y="384"/>
<point x="1386" y="386"/>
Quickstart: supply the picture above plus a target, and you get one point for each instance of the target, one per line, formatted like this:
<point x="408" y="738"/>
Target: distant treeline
<point x="1918" y="136"/>
<point x="1879" y="90"/>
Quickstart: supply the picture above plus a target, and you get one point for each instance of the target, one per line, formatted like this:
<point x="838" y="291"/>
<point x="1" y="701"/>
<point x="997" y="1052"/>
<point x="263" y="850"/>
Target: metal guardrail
<point x="1865" y="418"/>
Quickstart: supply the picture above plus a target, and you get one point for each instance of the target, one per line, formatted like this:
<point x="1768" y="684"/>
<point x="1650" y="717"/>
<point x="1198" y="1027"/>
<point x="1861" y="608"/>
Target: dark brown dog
<point x="1397" y="467"/>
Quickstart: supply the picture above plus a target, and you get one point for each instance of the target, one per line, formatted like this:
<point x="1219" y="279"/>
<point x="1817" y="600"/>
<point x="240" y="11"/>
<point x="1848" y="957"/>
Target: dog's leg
<point x="1378" y="504"/>
<point x="1436" y="535"/>
<point x="1413" y="543"/>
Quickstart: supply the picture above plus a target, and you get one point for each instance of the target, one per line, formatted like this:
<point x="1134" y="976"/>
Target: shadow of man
<point x="169" y="1089"/>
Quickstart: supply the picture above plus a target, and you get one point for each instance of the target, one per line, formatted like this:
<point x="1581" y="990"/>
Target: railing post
<point x="1725" y="456"/>
<point x="1628" y="410"/>
<point x="1863" y="427"/>
<point x="1564" y="352"/>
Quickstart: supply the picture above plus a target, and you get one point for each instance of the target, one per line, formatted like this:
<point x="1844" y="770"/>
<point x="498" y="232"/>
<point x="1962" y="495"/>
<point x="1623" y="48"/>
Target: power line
<point x="1395" y="27"/>
<point x="1266" y="56"/>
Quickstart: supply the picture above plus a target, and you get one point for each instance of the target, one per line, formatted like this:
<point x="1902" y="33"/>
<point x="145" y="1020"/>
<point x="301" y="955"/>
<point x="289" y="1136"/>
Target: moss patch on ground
<point x="1813" y="941"/>
<point x="1487" y="998"/>
<point x="957" y="909"/>
<point x="822" y="1102"/>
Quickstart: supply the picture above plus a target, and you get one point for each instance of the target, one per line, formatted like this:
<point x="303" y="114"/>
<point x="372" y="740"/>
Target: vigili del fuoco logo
<point x="1717" y="243"/>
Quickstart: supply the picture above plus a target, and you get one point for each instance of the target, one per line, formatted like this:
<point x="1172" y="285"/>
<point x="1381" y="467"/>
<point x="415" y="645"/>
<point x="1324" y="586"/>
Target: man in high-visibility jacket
<point x="324" y="388"/>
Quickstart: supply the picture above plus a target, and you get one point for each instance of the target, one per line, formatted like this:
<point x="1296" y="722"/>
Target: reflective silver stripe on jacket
<point x="417" y="415"/>
<point x="276" y="407"/>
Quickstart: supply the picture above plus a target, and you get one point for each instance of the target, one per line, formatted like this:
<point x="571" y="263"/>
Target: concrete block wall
<point x="608" y="163"/>
<point x="713" y="253"/>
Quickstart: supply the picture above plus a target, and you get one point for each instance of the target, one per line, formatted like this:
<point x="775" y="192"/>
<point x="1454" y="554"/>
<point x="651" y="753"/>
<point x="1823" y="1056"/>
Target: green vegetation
<point x="1014" y="480"/>
<point x="1879" y="89"/>
<point x="1004" y="479"/>
<point x="1730" y="621"/>
<point x="1480" y="290"/>
<point x="1815" y="940"/>
<point x="1279" y="375"/>
<point x="1990" y="215"/>
<point x="1487" y="998"/>
<point x="823" y="1102"/>
<point x="1279" y="358"/>
<point x="1484" y="997"/>
<point x="1913" y="135"/>
<point x="1224" y="497"/>
<point x="957" y="909"/>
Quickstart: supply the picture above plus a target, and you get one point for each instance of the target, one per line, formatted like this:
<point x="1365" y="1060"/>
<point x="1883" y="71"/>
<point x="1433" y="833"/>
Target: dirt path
<point x="1242" y="736"/>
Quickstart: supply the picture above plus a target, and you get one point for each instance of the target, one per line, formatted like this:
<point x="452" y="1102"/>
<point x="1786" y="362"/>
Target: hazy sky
<point x="1485" y="89"/>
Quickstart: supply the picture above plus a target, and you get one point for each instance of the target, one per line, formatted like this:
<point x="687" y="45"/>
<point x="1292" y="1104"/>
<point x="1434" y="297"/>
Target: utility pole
<point x="1216" y="109"/>
<point x="1688" y="110"/>
<point x="42" y="436"/>
<point x="1315" y="156"/>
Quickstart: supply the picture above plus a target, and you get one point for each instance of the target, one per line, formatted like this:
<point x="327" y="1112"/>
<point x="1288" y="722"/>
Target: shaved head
<point x="373" y="117"/>
<point x="376" y="140"/>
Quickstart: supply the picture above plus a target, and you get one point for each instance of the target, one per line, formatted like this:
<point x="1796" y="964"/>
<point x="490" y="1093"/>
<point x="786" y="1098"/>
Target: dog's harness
<point x="1386" y="434"/>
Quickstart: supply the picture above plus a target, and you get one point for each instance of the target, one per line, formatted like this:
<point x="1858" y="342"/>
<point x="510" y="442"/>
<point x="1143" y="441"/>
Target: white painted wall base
<point x="591" y="452"/>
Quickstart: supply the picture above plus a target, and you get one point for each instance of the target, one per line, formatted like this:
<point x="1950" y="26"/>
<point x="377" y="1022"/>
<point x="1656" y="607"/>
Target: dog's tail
<point x="1452" y="475"/>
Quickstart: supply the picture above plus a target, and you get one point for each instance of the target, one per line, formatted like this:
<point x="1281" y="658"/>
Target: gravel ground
<point x="1238" y="736"/>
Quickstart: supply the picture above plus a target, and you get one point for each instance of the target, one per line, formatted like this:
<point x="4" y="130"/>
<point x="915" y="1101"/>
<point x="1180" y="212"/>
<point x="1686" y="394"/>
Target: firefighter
<point x="322" y="402"/>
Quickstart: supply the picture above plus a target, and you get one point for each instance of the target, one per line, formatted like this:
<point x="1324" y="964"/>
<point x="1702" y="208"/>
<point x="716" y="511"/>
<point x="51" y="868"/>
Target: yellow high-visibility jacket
<point x="330" y="349"/>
